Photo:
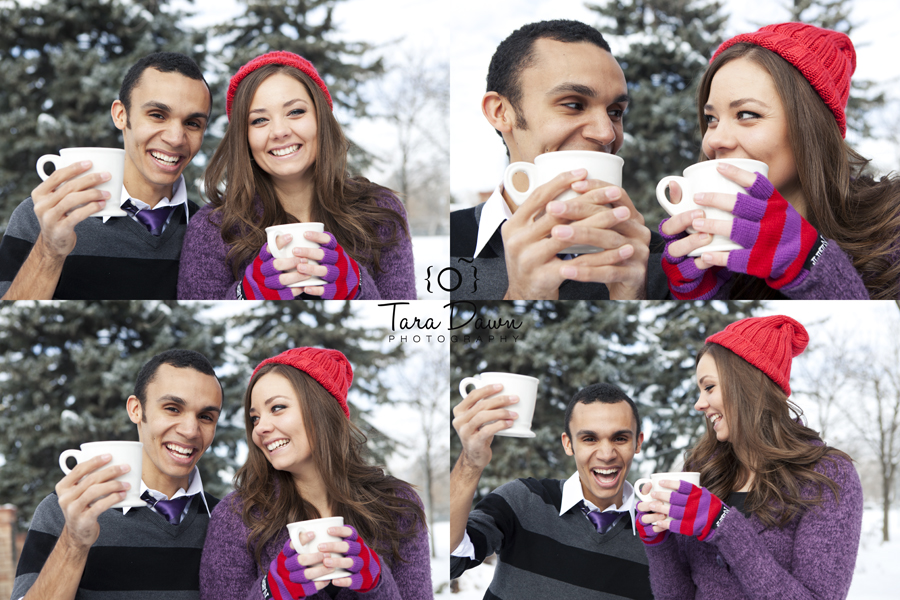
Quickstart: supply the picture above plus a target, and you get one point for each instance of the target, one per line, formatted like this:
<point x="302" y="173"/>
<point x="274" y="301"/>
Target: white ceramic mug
<point x="689" y="476"/>
<point x="108" y="160"/>
<point x="704" y="177"/>
<point x="320" y="528"/>
<point x="123" y="453"/>
<point x="523" y="386"/>
<point x="296" y="230"/>
<point x="599" y="165"/>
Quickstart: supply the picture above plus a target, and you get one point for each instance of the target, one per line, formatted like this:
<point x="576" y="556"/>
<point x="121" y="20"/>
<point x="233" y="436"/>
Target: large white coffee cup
<point x="701" y="178"/>
<point x="104" y="160"/>
<point x="296" y="230"/>
<point x="523" y="386"/>
<point x="692" y="477"/>
<point x="123" y="453"/>
<point x="599" y="165"/>
<point x="320" y="528"/>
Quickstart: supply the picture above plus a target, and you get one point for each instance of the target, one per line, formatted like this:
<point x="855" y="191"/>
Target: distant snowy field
<point x="874" y="578"/>
<point x="434" y="252"/>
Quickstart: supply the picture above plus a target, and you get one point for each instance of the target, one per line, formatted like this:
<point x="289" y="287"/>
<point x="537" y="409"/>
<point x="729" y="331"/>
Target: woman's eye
<point x="746" y="114"/>
<point x="709" y="119"/>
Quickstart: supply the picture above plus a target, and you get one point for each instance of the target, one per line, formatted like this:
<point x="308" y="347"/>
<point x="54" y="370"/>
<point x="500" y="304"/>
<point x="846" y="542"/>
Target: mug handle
<point x="673" y="209"/>
<point x="637" y="489"/>
<point x="519" y="167"/>
<point x="466" y="382"/>
<point x="78" y="455"/>
<point x="47" y="158"/>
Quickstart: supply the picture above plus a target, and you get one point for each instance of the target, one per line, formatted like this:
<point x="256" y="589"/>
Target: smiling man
<point x="78" y="545"/>
<point x="51" y="248"/>
<point x="572" y="539"/>
<point x="554" y="85"/>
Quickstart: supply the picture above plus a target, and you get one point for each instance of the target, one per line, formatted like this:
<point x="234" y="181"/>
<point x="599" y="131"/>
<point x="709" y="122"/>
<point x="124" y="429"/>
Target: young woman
<point x="817" y="228"/>
<point x="306" y="462"/>
<point x="284" y="160"/>
<point x="779" y="513"/>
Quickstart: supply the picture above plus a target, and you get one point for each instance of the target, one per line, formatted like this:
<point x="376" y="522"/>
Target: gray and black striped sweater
<point x="138" y="556"/>
<point x="545" y="555"/>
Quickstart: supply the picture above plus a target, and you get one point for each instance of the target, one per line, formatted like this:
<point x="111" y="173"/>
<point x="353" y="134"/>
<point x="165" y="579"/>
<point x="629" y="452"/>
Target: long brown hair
<point x="844" y="204"/>
<point x="765" y="438"/>
<point x="374" y="503"/>
<point x="346" y="205"/>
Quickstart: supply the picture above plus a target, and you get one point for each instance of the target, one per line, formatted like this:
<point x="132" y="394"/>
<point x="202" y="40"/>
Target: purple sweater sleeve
<point x="832" y="278"/>
<point x="670" y="574"/>
<point x="810" y="559"/>
<point x="228" y="570"/>
<point x="204" y="272"/>
<point x="397" y="280"/>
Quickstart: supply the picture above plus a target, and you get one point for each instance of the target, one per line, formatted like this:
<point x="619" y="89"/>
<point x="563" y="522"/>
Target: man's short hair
<point x="606" y="393"/>
<point x="164" y="62"/>
<point x="181" y="359"/>
<point x="516" y="53"/>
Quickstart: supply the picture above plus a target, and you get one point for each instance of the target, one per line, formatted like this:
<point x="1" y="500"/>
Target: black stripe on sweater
<point x="152" y="569"/>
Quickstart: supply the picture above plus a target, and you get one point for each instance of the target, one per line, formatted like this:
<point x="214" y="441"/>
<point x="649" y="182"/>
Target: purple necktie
<point x="170" y="509"/>
<point x="601" y="520"/>
<point x="152" y="219"/>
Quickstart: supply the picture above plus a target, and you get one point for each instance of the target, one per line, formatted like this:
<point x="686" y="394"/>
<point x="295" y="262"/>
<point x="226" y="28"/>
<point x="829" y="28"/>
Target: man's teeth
<point x="180" y="449"/>
<point x="276" y="444"/>
<point x="285" y="151"/>
<point x="164" y="158"/>
<point x="606" y="473"/>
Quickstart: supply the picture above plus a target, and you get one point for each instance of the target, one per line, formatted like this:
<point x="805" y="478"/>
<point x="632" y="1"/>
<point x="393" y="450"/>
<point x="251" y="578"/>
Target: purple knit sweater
<point x="228" y="571"/>
<point x="205" y="272"/>
<point x="812" y="558"/>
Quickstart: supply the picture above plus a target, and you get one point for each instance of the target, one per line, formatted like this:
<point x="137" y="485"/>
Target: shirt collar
<point x="573" y="494"/>
<point x="179" y="197"/>
<point x="494" y="213"/>
<point x="194" y="487"/>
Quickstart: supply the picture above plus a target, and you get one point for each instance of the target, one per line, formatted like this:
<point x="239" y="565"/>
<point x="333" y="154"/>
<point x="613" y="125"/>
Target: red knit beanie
<point x="275" y="58"/>
<point x="767" y="343"/>
<point x="826" y="58"/>
<point x="329" y="367"/>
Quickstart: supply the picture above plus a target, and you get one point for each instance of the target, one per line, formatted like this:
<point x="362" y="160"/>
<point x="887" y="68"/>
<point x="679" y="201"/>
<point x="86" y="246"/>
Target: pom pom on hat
<point x="767" y="343"/>
<point x="329" y="367"/>
<point x="275" y="58"/>
<point x="826" y="59"/>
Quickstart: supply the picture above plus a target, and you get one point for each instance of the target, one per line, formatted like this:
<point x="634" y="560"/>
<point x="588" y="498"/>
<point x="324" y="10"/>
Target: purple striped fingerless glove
<point x="686" y="281"/>
<point x="695" y="511"/>
<point x="780" y="245"/>
<point x="342" y="279"/>
<point x="286" y="579"/>
<point x="648" y="536"/>
<point x="366" y="568"/>
<point x="261" y="279"/>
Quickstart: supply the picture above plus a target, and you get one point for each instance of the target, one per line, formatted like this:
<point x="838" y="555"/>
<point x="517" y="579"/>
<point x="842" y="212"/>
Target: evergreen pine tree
<point x="307" y="28"/>
<point x="66" y="370"/>
<point x="62" y="64"/>
<point x="669" y="43"/>
<point x="273" y="327"/>
<point x="645" y="348"/>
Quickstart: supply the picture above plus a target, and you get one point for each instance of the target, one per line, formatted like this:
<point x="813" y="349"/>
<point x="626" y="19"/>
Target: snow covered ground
<point x="874" y="578"/>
